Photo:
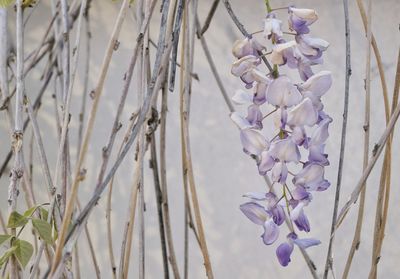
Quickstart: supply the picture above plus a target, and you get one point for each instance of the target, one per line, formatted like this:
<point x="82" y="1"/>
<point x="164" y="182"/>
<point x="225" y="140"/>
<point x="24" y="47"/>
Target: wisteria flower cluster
<point x="293" y="155"/>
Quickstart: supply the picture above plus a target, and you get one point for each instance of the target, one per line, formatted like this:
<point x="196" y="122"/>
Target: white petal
<point x="318" y="84"/>
<point x="253" y="141"/>
<point x="272" y="25"/>
<point x="271" y="232"/>
<point x="277" y="52"/>
<point x="281" y="92"/>
<point x="295" y="213"/>
<point x="240" y="121"/>
<point x="303" y="114"/>
<point x="308" y="14"/>
<point x="285" y="151"/>
<point x="259" y="196"/>
<point x="242" y="97"/>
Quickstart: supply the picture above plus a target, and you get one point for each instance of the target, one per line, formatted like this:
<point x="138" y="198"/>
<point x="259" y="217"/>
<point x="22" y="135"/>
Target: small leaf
<point x="4" y="238"/>
<point x="28" y="213"/>
<point x="44" y="214"/>
<point x="5" y="3"/>
<point x="16" y="220"/>
<point x="23" y="251"/>
<point x="43" y="228"/>
<point x="6" y="255"/>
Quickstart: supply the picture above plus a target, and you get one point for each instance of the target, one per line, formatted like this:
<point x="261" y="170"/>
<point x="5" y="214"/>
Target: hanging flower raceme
<point x="293" y="155"/>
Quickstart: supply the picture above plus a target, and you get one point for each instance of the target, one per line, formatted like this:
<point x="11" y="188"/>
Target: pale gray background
<point x="223" y="172"/>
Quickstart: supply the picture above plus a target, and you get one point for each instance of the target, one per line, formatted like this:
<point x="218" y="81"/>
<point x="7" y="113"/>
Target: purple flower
<point x="304" y="114"/>
<point x="282" y="93"/>
<point x="259" y="97"/>
<point x="310" y="47"/>
<point x="321" y="134"/>
<point x="300" y="19"/>
<point x="254" y="116"/>
<point x="285" y="150"/>
<point x="299" y="136"/>
<point x="317" y="155"/>
<point x="311" y="178"/>
<point x="282" y="52"/>
<point x="284" y="251"/>
<point x="253" y="141"/>
<point x="245" y="47"/>
<point x="244" y="67"/>
<point x="272" y="27"/>
<point x="242" y="97"/>
<point x="258" y="215"/>
<point x="279" y="173"/>
<point x="316" y="86"/>
<point x="300" y="122"/>
<point x="272" y="204"/>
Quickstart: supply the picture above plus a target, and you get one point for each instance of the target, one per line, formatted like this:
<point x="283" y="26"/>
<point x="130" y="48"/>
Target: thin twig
<point x="329" y="259"/>
<point x="215" y="72"/>
<point x="210" y="15"/>
<point x="175" y="41"/>
<point x="154" y="166"/>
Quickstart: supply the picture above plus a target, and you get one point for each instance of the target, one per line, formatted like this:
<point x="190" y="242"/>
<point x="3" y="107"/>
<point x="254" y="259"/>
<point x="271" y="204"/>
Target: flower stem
<point x="268" y="6"/>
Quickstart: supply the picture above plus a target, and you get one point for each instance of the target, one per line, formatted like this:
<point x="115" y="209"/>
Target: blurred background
<point x="223" y="172"/>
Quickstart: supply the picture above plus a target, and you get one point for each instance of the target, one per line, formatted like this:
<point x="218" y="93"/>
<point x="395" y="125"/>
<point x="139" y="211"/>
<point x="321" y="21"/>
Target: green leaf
<point x="4" y="238"/>
<point x="43" y="228"/>
<point x="6" y="255"/>
<point x="16" y="220"/>
<point x="23" y="251"/>
<point x="5" y="3"/>
<point x="31" y="210"/>
<point x="44" y="214"/>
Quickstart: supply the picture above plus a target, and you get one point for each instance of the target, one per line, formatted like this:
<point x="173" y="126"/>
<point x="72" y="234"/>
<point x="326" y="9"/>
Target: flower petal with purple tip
<point x="255" y="212"/>
<point x="306" y="242"/>
<point x="311" y="178"/>
<point x="258" y="196"/>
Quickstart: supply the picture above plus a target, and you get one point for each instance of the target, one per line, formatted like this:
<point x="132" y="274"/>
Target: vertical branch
<point x="163" y="163"/>
<point x="185" y="112"/>
<point x="17" y="171"/>
<point x="85" y="82"/>
<point x="184" y="46"/>
<point x="154" y="166"/>
<point x="163" y="180"/>
<point x="357" y="234"/>
<point x="4" y="89"/>
<point x="329" y="259"/>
